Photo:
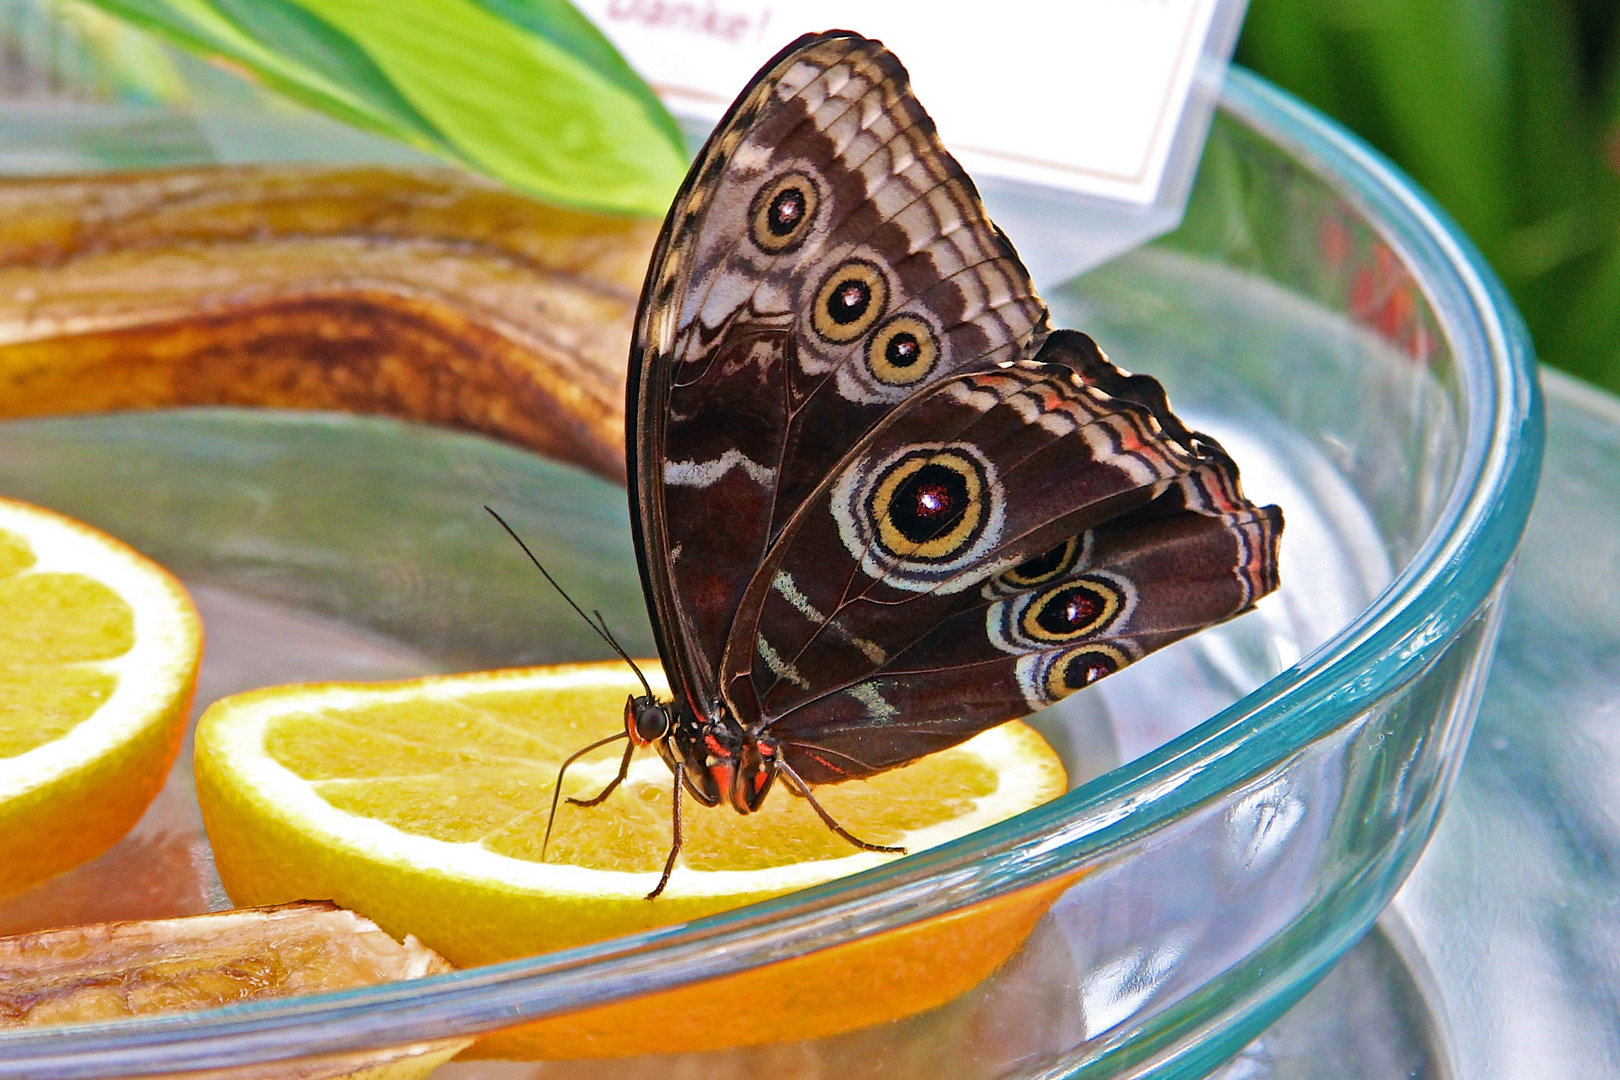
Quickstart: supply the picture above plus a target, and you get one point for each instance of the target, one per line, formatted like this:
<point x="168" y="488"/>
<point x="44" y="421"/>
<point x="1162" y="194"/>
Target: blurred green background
<point x="1508" y="112"/>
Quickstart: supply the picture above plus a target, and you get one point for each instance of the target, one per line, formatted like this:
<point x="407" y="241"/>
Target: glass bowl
<point x="1245" y="802"/>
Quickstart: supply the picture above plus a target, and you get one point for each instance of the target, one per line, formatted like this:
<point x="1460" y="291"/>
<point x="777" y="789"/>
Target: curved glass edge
<point x="1464" y="561"/>
<point x="1489" y="506"/>
<point x="1192" y="1035"/>
<point x="1470" y="548"/>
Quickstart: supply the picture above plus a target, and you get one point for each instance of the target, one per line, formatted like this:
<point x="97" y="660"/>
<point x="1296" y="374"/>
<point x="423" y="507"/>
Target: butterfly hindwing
<point x="892" y="571"/>
<point x="1196" y="555"/>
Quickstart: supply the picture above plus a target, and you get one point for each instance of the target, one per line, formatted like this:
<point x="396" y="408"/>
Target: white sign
<point x="1085" y="95"/>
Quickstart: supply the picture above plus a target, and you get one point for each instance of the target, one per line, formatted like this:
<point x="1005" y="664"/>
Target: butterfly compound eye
<point x="783" y="212"/>
<point x="902" y="351"/>
<point x="652" y="722"/>
<point x="851" y="299"/>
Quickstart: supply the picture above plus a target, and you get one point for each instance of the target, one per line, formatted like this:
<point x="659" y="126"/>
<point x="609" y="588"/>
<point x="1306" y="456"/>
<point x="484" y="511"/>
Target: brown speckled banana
<point x="424" y="294"/>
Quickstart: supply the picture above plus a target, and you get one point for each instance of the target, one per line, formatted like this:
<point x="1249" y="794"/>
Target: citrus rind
<point x="67" y="800"/>
<point x="231" y="742"/>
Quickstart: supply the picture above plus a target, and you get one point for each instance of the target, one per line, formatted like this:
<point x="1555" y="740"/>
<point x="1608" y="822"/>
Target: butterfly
<point x="879" y="505"/>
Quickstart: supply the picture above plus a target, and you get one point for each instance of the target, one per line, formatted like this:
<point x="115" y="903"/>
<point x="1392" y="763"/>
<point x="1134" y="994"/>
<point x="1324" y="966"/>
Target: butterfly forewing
<point x="826" y="260"/>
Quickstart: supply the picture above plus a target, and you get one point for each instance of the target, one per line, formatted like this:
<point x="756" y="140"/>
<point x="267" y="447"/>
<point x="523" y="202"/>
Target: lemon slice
<point x="422" y="805"/>
<point x="99" y="649"/>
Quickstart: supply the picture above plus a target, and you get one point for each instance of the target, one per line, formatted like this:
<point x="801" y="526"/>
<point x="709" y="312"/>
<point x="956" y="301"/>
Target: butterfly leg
<point x="556" y="790"/>
<point x="802" y="790"/>
<point x="674" y="848"/>
<point x="624" y="771"/>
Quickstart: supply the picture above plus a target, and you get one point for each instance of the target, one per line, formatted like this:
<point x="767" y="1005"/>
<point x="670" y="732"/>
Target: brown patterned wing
<point x="1001" y="540"/>
<point x="1136" y="585"/>
<point x="825" y="260"/>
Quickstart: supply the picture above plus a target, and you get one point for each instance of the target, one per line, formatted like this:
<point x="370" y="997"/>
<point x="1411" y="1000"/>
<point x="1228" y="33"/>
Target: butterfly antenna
<point x="601" y="631"/>
<point x="607" y="635"/>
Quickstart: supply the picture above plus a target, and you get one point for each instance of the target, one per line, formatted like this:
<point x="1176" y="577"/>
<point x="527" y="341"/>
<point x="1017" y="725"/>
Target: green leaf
<point x="525" y="90"/>
<point x="561" y="23"/>
<point x="534" y="110"/>
<point x="315" y="45"/>
<point x="138" y="67"/>
<point x="196" y="25"/>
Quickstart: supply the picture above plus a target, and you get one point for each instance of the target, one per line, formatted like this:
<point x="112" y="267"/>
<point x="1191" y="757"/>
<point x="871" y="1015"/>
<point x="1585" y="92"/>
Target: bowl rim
<point x="1460" y="566"/>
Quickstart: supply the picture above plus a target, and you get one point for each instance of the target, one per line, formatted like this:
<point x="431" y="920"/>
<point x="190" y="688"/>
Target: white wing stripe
<point x="702" y="474"/>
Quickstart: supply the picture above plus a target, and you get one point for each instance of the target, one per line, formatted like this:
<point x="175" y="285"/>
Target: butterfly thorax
<point x="713" y="756"/>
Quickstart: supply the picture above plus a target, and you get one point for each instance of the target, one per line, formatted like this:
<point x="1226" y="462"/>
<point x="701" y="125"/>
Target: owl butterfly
<point x="879" y="505"/>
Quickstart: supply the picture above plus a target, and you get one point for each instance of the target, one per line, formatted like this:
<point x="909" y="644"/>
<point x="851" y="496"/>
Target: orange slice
<point x="423" y="803"/>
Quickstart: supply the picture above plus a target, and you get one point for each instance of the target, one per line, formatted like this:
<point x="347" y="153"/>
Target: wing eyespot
<point x="929" y="507"/>
<point x="1043" y="568"/>
<point x="1079" y="668"/>
<point x="783" y="212"/>
<point x="902" y="351"/>
<point x="1072" y="610"/>
<point x="850" y="301"/>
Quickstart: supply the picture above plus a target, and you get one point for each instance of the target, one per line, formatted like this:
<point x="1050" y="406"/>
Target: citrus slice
<point x="423" y="805"/>
<point x="113" y="971"/>
<point x="99" y="649"/>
